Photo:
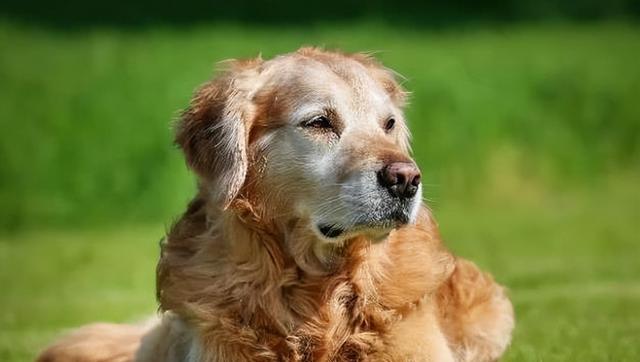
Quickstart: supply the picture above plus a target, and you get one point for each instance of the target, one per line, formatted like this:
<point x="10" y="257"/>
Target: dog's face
<point x="316" y="136"/>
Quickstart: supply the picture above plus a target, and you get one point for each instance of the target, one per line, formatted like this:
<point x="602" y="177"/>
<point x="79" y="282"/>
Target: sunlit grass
<point x="569" y="258"/>
<point x="55" y="280"/>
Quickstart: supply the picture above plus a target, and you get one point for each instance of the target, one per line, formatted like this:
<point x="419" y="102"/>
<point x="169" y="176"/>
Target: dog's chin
<point x="373" y="224"/>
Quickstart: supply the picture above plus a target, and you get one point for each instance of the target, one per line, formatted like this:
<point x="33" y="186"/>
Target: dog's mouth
<point x="330" y="231"/>
<point x="374" y="223"/>
<point x="375" y="231"/>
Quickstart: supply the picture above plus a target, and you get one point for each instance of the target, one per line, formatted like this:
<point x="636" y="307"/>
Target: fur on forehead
<point x="216" y="130"/>
<point x="339" y="62"/>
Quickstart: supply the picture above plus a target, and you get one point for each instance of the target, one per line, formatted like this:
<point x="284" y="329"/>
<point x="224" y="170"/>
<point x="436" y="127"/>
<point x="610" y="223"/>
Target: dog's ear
<point x="213" y="131"/>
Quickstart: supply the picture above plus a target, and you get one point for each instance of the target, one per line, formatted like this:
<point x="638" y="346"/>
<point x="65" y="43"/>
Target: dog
<point x="307" y="239"/>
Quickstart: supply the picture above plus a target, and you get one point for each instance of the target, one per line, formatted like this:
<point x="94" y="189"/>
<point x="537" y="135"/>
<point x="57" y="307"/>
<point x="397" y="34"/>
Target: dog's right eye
<point x="319" y="122"/>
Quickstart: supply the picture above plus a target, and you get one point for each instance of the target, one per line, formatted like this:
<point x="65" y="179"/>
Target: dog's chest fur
<point x="258" y="305"/>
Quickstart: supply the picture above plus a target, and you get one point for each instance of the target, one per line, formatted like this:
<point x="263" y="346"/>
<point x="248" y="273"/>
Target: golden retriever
<point x="307" y="240"/>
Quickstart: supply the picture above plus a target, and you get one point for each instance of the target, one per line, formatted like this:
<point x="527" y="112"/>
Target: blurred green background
<point x="526" y="124"/>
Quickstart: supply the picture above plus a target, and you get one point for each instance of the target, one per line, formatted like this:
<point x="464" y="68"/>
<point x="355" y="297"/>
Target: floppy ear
<point x="213" y="131"/>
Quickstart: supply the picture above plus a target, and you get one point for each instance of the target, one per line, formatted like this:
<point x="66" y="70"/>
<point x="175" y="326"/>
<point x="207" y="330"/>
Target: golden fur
<point x="243" y="276"/>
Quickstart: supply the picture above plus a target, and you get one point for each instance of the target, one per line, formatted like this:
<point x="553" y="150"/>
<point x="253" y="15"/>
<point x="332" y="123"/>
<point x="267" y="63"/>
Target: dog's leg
<point x="418" y="338"/>
<point x="169" y="341"/>
<point x="475" y="314"/>
<point x="100" y="342"/>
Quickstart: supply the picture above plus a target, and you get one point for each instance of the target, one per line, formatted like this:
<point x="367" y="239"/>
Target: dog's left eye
<point x="320" y="122"/>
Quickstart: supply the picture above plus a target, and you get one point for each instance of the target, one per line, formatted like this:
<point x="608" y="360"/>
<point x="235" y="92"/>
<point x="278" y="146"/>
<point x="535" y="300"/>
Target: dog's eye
<point x="391" y="122"/>
<point x="319" y="122"/>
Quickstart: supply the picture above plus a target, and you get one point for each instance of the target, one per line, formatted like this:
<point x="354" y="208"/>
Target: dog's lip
<point x="330" y="230"/>
<point x="376" y="230"/>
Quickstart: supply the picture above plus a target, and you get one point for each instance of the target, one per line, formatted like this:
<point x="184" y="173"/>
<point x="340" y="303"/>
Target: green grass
<point x="570" y="260"/>
<point x="55" y="280"/>
<point x="528" y="137"/>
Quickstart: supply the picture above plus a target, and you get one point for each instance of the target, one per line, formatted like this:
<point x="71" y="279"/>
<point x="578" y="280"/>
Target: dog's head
<point x="313" y="136"/>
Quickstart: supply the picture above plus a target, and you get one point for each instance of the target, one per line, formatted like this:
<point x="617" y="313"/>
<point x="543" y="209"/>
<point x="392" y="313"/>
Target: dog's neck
<point x="280" y="233"/>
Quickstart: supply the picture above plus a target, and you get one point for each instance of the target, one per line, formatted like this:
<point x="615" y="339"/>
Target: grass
<point x="528" y="136"/>
<point x="570" y="261"/>
<point x="55" y="280"/>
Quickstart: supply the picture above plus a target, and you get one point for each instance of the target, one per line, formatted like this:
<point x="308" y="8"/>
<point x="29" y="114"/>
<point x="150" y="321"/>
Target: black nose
<point x="400" y="178"/>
